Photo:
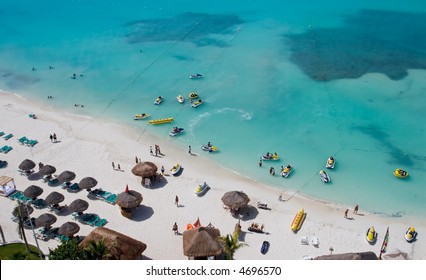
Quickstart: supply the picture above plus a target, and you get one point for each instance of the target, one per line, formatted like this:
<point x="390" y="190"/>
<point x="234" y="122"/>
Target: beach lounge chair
<point x="147" y="183"/>
<point x="111" y="199"/>
<point x="23" y="140"/>
<point x="315" y="241"/>
<point x="7" y="137"/>
<point x="304" y="240"/>
<point x="1" y="133"/>
<point x="101" y="223"/>
<point x="30" y="143"/>
<point x="74" y="188"/>
<point x="39" y="203"/>
<point x="6" y="149"/>
<point x="93" y="220"/>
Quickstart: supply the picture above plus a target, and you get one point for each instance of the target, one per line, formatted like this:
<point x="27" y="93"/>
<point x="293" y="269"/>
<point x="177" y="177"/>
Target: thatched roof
<point x="47" y="170"/>
<point x="33" y="191"/>
<point x="54" y="198"/>
<point x="122" y="247"/>
<point x="235" y="199"/>
<point x="27" y="164"/>
<point x="349" y="256"/>
<point x="201" y="242"/>
<point x="145" y="169"/>
<point x="129" y="199"/>
<point x="66" y="176"/>
<point x="87" y="183"/>
<point x="78" y="205"/>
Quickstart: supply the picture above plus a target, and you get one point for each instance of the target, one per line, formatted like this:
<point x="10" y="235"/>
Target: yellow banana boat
<point x="298" y="220"/>
<point x="160" y="121"/>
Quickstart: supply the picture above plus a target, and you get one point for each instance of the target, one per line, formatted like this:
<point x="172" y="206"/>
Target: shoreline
<point x="100" y="142"/>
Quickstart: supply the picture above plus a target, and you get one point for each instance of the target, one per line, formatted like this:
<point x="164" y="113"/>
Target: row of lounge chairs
<point x="18" y="195"/>
<point x="71" y="188"/>
<point x="90" y="219"/>
<point x="5" y="149"/>
<point x="103" y="195"/>
<point x="27" y="142"/>
<point x="7" y="137"/>
<point x="47" y="234"/>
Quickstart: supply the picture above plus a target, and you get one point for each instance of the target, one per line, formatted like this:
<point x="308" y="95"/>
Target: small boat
<point x="286" y="171"/>
<point x="298" y="220"/>
<point x="201" y="189"/>
<point x="160" y="121"/>
<point x="324" y="176"/>
<point x="269" y="156"/>
<point x="371" y="235"/>
<point x="265" y="247"/>
<point x="140" y="116"/>
<point x="158" y="100"/>
<point x="209" y="148"/>
<point x="330" y="163"/>
<point x="175" y="169"/>
<point x="410" y="234"/>
<point x="176" y="131"/>
<point x="180" y="99"/>
<point x="400" y="173"/>
<point x="193" y="95"/>
<point x="197" y="103"/>
<point x="195" y="76"/>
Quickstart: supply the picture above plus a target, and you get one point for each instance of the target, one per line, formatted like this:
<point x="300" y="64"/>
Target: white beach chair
<point x="147" y="183"/>
<point x="304" y="240"/>
<point x="315" y="241"/>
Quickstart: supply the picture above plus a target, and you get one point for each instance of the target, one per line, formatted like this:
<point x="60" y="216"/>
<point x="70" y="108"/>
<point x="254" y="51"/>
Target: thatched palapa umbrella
<point x="201" y="242"/>
<point x="66" y="176"/>
<point x="87" y="183"/>
<point x="27" y="165"/>
<point x="33" y="191"/>
<point x="69" y="229"/>
<point x="45" y="220"/>
<point x="129" y="199"/>
<point x="121" y="247"/>
<point x="78" y="205"/>
<point x="47" y="170"/>
<point x="145" y="169"/>
<point x="235" y="199"/>
<point x="54" y="198"/>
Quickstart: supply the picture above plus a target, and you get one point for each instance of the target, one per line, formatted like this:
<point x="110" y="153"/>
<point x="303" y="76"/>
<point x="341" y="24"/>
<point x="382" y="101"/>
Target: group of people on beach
<point x="157" y="150"/>
<point x="355" y="211"/>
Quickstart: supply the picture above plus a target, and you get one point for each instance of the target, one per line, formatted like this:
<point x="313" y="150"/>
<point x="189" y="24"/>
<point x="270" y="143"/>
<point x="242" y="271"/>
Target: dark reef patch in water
<point x="375" y="132"/>
<point x="190" y="27"/>
<point x="369" y="42"/>
<point x="16" y="81"/>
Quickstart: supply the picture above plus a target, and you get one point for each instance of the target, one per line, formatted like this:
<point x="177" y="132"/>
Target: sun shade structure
<point x="66" y="176"/>
<point x="47" y="170"/>
<point x="121" y="247"/>
<point x="45" y="220"/>
<point x="78" y="205"/>
<point x="54" y="198"/>
<point x="87" y="183"/>
<point x="129" y="199"/>
<point x="69" y="229"/>
<point x="27" y="165"/>
<point x="201" y="242"/>
<point x="349" y="256"/>
<point x="235" y="199"/>
<point x="33" y="191"/>
<point x="145" y="169"/>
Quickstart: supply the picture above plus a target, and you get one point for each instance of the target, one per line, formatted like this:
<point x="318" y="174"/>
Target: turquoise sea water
<point x="305" y="80"/>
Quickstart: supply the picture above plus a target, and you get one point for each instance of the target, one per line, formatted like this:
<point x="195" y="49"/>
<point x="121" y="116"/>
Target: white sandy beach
<point x="87" y="147"/>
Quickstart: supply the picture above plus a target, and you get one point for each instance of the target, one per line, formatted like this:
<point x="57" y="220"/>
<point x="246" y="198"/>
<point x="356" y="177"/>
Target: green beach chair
<point x="7" y="137"/>
<point x="101" y="223"/>
<point x="31" y="143"/>
<point x="111" y="199"/>
<point x="7" y="149"/>
<point x="1" y="133"/>
<point x="23" y="140"/>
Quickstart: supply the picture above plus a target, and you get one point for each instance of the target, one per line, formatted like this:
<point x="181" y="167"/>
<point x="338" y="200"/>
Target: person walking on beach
<point x="346" y="213"/>
<point x="189" y="149"/>
<point x="54" y="137"/>
<point x="118" y="167"/>
<point x="162" y="170"/>
<point x="136" y="159"/>
<point x="51" y="138"/>
<point x="175" y="229"/>
<point x="156" y="150"/>
<point x="177" y="201"/>
<point x="356" y="210"/>
<point x="113" y="165"/>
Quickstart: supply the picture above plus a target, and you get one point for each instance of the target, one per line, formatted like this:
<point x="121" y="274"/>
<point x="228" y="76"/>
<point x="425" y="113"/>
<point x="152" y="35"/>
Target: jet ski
<point x="371" y="235"/>
<point x="286" y="171"/>
<point x="330" y="163"/>
<point x="195" y="76"/>
<point x="158" y="100"/>
<point x="324" y="176"/>
<point x="197" y="103"/>
<point x="140" y="116"/>
<point x="176" y="131"/>
<point x="209" y="148"/>
<point x="269" y="156"/>
<point x="400" y="173"/>
<point x="193" y="95"/>
<point x="411" y="234"/>
<point x="180" y="98"/>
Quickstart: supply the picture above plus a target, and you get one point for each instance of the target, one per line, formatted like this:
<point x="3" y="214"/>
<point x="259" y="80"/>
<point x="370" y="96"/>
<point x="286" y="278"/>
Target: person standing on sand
<point x="356" y="210"/>
<point x="51" y="138"/>
<point x="136" y="159"/>
<point x="346" y="213"/>
<point x="54" y="137"/>
<point x="162" y="170"/>
<point x="150" y="150"/>
<point x="189" y="149"/>
<point x="113" y="165"/>
<point x="175" y="229"/>
<point x="177" y="201"/>
<point x="118" y="167"/>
